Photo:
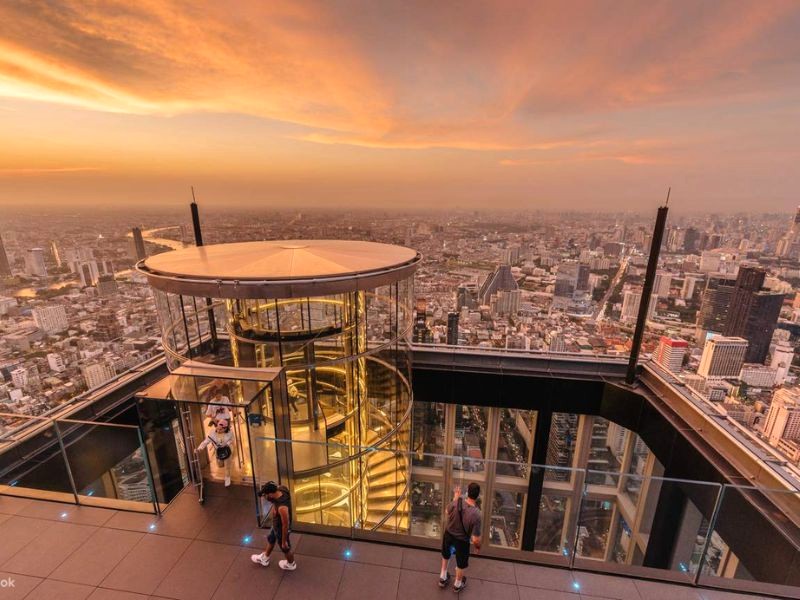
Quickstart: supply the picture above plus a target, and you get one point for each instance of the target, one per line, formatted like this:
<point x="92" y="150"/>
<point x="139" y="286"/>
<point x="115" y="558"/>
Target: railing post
<point x="146" y="458"/>
<point x="584" y="491"/>
<point x="647" y="291"/>
<point x="66" y="461"/>
<point x="712" y="523"/>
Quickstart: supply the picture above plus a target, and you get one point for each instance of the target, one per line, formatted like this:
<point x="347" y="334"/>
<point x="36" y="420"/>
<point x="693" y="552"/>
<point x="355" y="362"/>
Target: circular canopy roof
<point x="279" y="269"/>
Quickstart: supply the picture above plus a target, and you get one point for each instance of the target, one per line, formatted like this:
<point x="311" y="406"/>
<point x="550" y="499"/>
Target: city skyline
<point x="401" y="105"/>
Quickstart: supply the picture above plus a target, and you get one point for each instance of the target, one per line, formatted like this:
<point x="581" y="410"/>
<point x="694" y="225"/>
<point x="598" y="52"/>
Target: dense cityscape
<point x="723" y="315"/>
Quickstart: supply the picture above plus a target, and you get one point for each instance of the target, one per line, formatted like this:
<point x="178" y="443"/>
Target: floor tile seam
<point x="341" y="578"/>
<point x="29" y="542"/>
<point x="111" y="570"/>
<point x="100" y="585"/>
<point x="172" y="568"/>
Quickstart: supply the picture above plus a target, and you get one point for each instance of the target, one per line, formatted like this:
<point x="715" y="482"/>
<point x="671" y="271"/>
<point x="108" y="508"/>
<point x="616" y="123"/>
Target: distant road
<point x="600" y="315"/>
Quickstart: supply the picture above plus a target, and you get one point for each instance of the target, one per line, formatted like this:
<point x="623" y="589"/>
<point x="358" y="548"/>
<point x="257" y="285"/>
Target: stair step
<point x="385" y="494"/>
<point x="391" y="478"/>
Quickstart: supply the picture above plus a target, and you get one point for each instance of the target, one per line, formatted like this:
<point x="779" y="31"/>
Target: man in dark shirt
<point x="463" y="526"/>
<point x="281" y="501"/>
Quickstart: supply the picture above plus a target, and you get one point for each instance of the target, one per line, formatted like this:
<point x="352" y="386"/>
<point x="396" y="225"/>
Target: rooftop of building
<point x="202" y="552"/>
<point x="280" y="260"/>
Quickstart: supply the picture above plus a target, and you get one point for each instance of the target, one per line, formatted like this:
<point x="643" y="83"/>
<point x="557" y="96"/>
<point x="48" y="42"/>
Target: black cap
<point x="268" y="488"/>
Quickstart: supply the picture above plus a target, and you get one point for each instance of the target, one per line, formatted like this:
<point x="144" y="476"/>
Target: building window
<point x="606" y="450"/>
<point x="561" y="446"/>
<point x="426" y="509"/>
<point x="508" y="510"/>
<point x="471" y="431"/>
<point x="428" y="446"/>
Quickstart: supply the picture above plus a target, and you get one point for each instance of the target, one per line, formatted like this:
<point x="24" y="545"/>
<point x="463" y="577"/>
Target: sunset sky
<point x="548" y="105"/>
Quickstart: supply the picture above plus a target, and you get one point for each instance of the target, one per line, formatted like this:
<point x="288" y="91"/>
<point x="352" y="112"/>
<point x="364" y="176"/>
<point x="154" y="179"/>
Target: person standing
<point x="219" y="406"/>
<point x="281" y="501"/>
<point x="222" y="440"/>
<point x="463" y="527"/>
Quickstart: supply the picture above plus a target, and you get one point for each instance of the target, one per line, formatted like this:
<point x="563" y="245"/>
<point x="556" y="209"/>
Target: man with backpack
<point x="281" y="501"/>
<point x="463" y="527"/>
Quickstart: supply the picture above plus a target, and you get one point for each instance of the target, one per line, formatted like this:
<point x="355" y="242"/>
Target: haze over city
<point x="526" y="105"/>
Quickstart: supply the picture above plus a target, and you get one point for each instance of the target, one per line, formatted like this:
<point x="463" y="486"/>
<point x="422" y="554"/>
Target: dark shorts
<point x="452" y="545"/>
<point x="275" y="536"/>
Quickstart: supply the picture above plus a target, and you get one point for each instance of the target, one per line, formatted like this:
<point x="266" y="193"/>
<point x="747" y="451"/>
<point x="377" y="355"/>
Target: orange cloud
<point x="35" y="171"/>
<point x="480" y="77"/>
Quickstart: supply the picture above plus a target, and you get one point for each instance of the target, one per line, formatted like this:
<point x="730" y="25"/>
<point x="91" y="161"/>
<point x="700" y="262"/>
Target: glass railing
<point x="693" y="532"/>
<point x="80" y="462"/>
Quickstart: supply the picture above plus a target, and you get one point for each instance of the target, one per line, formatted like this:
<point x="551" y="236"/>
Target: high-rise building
<point x="97" y="374"/>
<point x="55" y="254"/>
<point x="506" y="302"/>
<point x="88" y="273"/>
<point x="753" y="313"/>
<point x="34" y="262"/>
<point x="467" y="295"/>
<point x="630" y="305"/>
<point x="713" y="311"/>
<point x="510" y="255"/>
<point x="756" y="375"/>
<point x="452" y="329"/>
<point x="5" y="267"/>
<point x="56" y="362"/>
<point x="138" y="244"/>
<point x="722" y="357"/>
<point x="571" y="278"/>
<point x="789" y="244"/>
<point x="783" y="418"/>
<point x="782" y="358"/>
<point x="690" y="282"/>
<point x="51" y="319"/>
<point x="670" y="352"/>
<point x="500" y="279"/>
<point x="108" y="327"/>
<point x="662" y="283"/>
<point x="107" y="285"/>
<point x="422" y="333"/>
<point x="19" y="377"/>
<point x="691" y="240"/>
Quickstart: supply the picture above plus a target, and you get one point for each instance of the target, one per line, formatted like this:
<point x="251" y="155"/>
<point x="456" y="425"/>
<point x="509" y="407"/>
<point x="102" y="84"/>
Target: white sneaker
<point x="227" y="482"/>
<point x="287" y="566"/>
<point x="261" y="559"/>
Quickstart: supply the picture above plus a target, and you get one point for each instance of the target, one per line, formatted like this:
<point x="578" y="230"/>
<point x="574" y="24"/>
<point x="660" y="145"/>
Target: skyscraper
<point x="5" y="267"/>
<point x="753" y="313"/>
<point x="722" y="357"/>
<point x="630" y="305"/>
<point x="138" y="243"/>
<point x="782" y="358"/>
<point x="662" y="283"/>
<point x="88" y="273"/>
<point x="501" y="279"/>
<point x="34" y="262"/>
<point x="51" y="319"/>
<point x="713" y="313"/>
<point x="783" y="418"/>
<point x="670" y="353"/>
<point x="452" y="329"/>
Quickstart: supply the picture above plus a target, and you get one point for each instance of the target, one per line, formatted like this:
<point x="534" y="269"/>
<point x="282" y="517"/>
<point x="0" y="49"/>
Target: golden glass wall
<point x="348" y="389"/>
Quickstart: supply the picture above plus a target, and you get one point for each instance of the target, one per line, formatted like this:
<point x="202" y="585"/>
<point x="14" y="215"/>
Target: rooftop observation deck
<point x="56" y="550"/>
<point x="192" y="552"/>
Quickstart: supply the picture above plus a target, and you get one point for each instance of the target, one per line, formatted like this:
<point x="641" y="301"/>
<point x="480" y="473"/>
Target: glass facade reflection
<point x="339" y="333"/>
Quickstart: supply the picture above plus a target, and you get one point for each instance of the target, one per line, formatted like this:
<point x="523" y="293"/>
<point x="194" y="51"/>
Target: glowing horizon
<point x="516" y="104"/>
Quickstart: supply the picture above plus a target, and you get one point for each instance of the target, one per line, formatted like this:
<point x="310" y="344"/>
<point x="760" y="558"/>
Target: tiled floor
<point x="196" y="552"/>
